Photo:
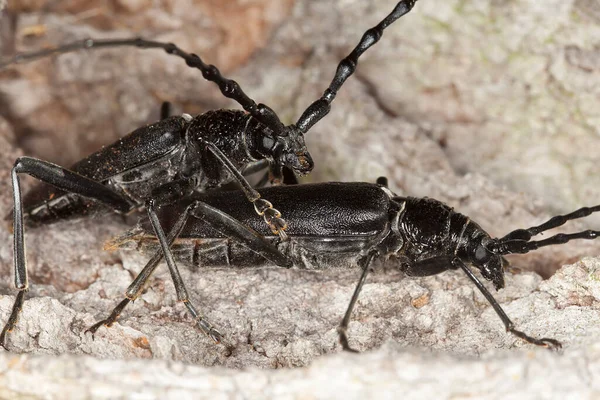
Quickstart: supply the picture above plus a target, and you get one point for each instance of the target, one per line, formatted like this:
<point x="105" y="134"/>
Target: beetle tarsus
<point x="209" y="330"/>
<point x="112" y="318"/>
<point x="550" y="344"/>
<point x="206" y="327"/>
<point x="343" y="334"/>
<point x="12" y="320"/>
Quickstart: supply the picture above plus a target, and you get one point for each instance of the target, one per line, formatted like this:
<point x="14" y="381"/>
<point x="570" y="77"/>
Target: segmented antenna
<point x="229" y="88"/>
<point x="321" y="107"/>
<point x="518" y="241"/>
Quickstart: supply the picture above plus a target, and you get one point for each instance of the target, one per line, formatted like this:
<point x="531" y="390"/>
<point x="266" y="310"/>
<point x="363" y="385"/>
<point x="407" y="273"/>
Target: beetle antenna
<point x="523" y="246"/>
<point x="554" y="222"/>
<point x="519" y="240"/>
<point x="320" y="108"/>
<point x="228" y="87"/>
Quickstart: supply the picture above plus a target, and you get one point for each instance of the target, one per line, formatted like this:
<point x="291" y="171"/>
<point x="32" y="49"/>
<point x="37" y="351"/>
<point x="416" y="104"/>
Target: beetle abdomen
<point x="306" y="252"/>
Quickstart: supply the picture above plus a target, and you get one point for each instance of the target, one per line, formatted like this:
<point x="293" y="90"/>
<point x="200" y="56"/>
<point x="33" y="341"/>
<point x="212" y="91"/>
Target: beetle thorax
<point x="226" y="130"/>
<point x="430" y="229"/>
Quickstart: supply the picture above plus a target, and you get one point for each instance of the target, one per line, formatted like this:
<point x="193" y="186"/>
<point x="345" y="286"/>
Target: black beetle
<point x="337" y="222"/>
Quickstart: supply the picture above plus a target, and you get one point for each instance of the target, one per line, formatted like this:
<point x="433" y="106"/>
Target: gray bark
<point x="489" y="106"/>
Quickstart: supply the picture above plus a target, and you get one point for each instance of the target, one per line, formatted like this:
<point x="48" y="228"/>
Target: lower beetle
<point x="338" y="222"/>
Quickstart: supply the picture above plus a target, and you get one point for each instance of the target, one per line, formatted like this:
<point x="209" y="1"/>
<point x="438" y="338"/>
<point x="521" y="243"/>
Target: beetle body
<point x="332" y="221"/>
<point x="340" y="223"/>
<point x="335" y="223"/>
<point x="153" y="156"/>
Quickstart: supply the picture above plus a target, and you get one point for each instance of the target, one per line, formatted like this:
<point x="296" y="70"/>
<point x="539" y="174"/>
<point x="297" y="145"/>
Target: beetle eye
<point x="482" y="254"/>
<point x="268" y="142"/>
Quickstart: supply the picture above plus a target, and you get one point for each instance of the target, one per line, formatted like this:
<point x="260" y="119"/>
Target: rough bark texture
<point x="490" y="106"/>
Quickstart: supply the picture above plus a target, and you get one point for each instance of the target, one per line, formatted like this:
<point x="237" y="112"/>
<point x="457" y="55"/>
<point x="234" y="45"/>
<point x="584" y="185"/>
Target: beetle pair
<point x="182" y="155"/>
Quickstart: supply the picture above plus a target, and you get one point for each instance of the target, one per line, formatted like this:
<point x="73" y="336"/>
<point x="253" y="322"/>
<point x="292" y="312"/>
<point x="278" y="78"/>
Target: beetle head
<point x="489" y="263"/>
<point x="287" y="149"/>
<point x="291" y="151"/>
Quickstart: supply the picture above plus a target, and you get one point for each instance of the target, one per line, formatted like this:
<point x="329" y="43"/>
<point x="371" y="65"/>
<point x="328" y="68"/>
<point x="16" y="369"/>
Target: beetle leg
<point x="343" y="328"/>
<point x="180" y="289"/>
<point x="429" y="266"/>
<point x="63" y="179"/>
<point x="550" y="344"/>
<point x="165" y="110"/>
<point x="281" y="175"/>
<point x="219" y="221"/>
<point x="112" y="318"/>
<point x="234" y="229"/>
<point x="12" y="320"/>
<point x="135" y="288"/>
<point x="263" y="207"/>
